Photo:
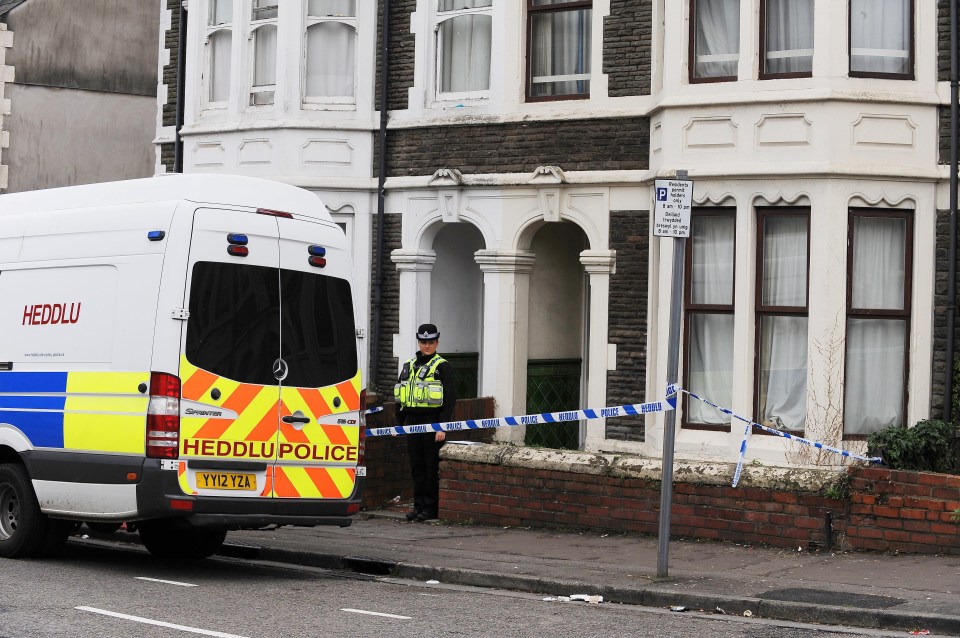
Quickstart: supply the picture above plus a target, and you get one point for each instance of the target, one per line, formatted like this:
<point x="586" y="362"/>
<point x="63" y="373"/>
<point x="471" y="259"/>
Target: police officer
<point x="425" y="394"/>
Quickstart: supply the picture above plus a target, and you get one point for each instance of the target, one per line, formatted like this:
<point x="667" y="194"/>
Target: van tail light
<point x="362" y="439"/>
<point x="163" y="417"/>
<point x="274" y="213"/>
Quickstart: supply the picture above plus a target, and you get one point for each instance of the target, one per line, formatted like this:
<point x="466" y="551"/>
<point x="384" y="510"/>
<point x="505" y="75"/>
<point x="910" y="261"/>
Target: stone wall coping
<point x="645" y="468"/>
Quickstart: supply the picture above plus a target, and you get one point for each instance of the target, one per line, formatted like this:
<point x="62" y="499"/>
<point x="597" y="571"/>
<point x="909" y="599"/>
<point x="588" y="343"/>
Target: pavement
<point x="870" y="590"/>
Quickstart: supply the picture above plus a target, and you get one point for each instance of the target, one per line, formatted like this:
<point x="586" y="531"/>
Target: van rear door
<point x="230" y="356"/>
<point x="318" y="445"/>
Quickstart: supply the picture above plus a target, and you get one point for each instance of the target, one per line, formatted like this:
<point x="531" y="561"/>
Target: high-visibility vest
<point x="419" y="387"/>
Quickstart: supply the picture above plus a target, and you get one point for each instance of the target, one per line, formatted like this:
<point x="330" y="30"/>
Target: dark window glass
<point x="234" y="325"/>
<point x="319" y="341"/>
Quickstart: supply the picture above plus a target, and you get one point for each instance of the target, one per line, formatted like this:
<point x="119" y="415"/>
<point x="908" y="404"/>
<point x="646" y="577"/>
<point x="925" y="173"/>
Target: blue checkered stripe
<point x="634" y="409"/>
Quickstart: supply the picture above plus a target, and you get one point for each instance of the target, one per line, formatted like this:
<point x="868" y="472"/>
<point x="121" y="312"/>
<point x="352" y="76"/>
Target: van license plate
<point x="226" y="481"/>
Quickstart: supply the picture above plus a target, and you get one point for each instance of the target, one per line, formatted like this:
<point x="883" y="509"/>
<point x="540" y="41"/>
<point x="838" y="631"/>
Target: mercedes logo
<point x="280" y="369"/>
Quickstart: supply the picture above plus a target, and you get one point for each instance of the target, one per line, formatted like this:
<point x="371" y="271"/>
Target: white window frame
<point x="254" y="89"/>
<point x="208" y="72"/>
<point x="444" y="16"/>
<point x="329" y="102"/>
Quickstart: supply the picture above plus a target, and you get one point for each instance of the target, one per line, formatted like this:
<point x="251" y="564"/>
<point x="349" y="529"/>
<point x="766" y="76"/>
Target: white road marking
<point x="375" y="613"/>
<point x="166" y="582"/>
<point x="158" y="623"/>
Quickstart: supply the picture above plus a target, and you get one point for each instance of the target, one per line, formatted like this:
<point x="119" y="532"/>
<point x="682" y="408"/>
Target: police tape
<point x="799" y="439"/>
<point x="379" y="408"/>
<point x="611" y="412"/>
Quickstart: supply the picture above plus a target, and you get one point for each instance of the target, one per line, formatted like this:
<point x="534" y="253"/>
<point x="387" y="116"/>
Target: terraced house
<point x="492" y="163"/>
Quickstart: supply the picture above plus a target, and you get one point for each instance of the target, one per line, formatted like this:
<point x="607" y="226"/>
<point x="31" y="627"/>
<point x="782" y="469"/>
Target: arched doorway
<point x="558" y="330"/>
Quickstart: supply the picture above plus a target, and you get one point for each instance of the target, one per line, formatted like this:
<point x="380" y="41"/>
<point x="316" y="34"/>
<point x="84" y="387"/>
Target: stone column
<point x="505" y="333"/>
<point x="599" y="264"/>
<point x="415" y="267"/>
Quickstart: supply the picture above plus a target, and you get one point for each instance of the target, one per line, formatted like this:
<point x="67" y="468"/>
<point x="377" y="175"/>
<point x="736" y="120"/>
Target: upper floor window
<point x="708" y="302"/>
<point x="782" y="265"/>
<point x="263" y="36"/>
<point x="878" y="319"/>
<point x="219" y="42"/>
<point x="714" y="40"/>
<point x="558" y="37"/>
<point x="881" y="38"/>
<point x="331" y="45"/>
<point x="464" y="31"/>
<point x="786" y="38"/>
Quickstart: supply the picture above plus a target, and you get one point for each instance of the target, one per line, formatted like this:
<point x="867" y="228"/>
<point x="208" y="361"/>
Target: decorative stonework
<point x="6" y="77"/>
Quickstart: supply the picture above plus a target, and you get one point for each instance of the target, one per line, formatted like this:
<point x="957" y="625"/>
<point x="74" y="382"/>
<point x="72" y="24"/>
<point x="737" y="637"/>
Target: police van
<point x="178" y="354"/>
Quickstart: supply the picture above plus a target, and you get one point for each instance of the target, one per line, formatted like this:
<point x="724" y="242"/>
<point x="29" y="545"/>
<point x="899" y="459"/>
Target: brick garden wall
<point x="388" y="467"/>
<point x="886" y="510"/>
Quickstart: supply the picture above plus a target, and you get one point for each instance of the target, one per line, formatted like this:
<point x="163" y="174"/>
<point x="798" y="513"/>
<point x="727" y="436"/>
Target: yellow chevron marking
<point x="342" y="479"/>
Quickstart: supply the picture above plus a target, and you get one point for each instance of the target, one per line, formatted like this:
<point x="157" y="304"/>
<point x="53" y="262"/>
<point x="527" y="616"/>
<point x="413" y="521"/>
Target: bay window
<point x="714" y="40"/>
<point x="782" y="267"/>
<point x="330" y="51"/>
<point x="708" y="301"/>
<point x="878" y="320"/>
<point x="786" y="38"/>
<point x="881" y="38"/>
<point x="263" y="37"/>
<point x="219" y="42"/>
<point x="558" y="39"/>
<point x="464" y="30"/>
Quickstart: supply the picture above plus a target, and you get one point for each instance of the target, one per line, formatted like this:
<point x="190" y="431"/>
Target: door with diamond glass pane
<point x="553" y="385"/>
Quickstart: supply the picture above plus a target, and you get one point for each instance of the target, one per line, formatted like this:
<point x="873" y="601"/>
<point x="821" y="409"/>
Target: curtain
<point x="265" y="56"/>
<point x="783" y="338"/>
<point x="464" y="51"/>
<point x="219" y="81"/>
<point x="876" y="348"/>
<point x="324" y="8"/>
<point x="454" y="5"/>
<point x="717" y="39"/>
<point x="560" y="53"/>
<point x="880" y="36"/>
<point x="711" y="334"/>
<point x="789" y="36"/>
<point x="331" y="59"/>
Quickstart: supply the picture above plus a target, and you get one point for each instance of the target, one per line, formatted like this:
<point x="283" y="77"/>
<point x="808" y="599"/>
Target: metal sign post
<point x="671" y="219"/>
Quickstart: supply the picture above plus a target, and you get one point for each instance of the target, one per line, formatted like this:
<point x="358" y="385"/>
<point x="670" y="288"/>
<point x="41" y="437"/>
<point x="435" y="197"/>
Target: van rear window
<point x="239" y="314"/>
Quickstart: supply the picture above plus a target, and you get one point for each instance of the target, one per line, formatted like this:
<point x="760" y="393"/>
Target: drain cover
<point x="837" y="598"/>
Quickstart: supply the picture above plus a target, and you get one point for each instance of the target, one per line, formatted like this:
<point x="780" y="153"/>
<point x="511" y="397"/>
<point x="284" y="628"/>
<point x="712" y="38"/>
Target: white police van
<point x="179" y="354"/>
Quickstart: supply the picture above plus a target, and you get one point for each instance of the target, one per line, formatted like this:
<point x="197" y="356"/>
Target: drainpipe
<point x="181" y="73"/>
<point x="952" y="252"/>
<point x="381" y="196"/>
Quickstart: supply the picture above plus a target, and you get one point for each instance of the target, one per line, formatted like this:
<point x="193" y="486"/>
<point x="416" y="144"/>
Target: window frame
<point x="440" y="17"/>
<point x="911" y="52"/>
<point x="905" y="314"/>
<point x="533" y="10"/>
<point x="210" y="31"/>
<point x="690" y="309"/>
<point x="261" y="89"/>
<point x="762" y="73"/>
<point x="692" y="53"/>
<point x="761" y="310"/>
<point x="335" y="101"/>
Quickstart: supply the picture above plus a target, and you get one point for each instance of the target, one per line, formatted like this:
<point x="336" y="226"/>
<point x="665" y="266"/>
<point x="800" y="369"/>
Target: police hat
<point x="427" y="332"/>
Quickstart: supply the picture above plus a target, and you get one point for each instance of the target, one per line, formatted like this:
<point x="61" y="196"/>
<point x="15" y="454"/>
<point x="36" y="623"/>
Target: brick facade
<point x="573" y="145"/>
<point x="627" y="45"/>
<point x="171" y="39"/>
<point x="886" y="510"/>
<point x="627" y="309"/>
<point x="402" y="53"/>
<point x="387" y="364"/>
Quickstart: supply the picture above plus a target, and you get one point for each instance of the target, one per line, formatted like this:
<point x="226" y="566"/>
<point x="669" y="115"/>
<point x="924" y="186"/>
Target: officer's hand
<point x="440" y="436"/>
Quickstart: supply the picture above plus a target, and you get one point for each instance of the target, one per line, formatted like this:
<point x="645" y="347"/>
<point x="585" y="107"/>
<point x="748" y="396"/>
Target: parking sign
<point x="671" y="211"/>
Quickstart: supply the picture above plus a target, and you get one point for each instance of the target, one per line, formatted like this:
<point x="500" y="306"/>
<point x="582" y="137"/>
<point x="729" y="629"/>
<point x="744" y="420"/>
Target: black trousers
<point x="424" y="454"/>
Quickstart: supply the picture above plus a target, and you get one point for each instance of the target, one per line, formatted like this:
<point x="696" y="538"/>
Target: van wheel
<point x="24" y="530"/>
<point x="165" y="540"/>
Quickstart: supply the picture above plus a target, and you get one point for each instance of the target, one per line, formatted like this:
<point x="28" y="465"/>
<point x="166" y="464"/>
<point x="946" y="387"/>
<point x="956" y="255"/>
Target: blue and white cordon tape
<point x="611" y="412"/>
<point x="786" y="435"/>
